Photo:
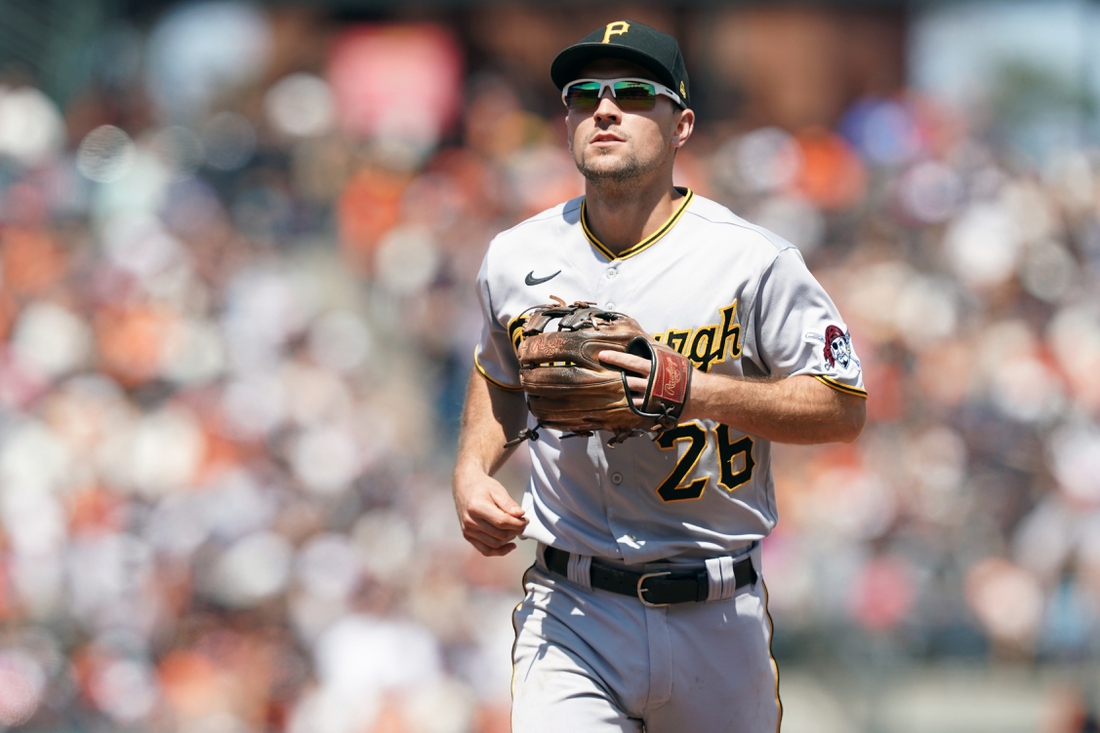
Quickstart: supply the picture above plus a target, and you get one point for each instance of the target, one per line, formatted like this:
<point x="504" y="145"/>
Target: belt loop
<point x="580" y="570"/>
<point x="754" y="554"/>
<point x="720" y="578"/>
<point x="540" y="557"/>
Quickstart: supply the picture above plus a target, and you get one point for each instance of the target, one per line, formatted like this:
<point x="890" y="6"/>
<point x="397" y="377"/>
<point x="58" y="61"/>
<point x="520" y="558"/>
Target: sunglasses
<point x="629" y="94"/>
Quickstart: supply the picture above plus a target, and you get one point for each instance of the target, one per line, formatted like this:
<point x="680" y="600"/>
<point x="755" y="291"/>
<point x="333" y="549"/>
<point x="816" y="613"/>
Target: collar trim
<point x="645" y="243"/>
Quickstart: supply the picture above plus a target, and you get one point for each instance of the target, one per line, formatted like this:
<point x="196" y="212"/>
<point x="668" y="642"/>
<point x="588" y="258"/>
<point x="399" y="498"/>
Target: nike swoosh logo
<point x="532" y="280"/>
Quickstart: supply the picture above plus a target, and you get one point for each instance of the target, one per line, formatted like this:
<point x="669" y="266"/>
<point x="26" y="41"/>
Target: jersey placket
<point x="621" y="483"/>
<point x="611" y="287"/>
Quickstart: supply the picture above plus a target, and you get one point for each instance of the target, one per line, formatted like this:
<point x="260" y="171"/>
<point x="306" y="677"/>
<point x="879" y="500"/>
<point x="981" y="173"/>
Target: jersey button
<point x="612" y="272"/>
<point x="616" y="478"/>
<point x="610" y="306"/>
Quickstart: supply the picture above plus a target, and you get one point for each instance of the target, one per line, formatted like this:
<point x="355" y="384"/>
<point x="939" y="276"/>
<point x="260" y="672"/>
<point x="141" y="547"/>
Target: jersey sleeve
<point x="494" y="356"/>
<point x="799" y="329"/>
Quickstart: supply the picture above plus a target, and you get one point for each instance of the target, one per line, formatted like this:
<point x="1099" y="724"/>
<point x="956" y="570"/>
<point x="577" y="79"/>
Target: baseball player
<point x="646" y="607"/>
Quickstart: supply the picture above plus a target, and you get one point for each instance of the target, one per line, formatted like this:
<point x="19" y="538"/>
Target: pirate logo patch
<point x="836" y="349"/>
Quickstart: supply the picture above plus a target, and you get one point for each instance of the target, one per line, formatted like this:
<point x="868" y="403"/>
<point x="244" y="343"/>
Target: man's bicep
<point x="491" y="417"/>
<point x="509" y="407"/>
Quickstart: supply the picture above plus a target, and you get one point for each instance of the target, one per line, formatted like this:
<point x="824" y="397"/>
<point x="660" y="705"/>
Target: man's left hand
<point x="634" y="364"/>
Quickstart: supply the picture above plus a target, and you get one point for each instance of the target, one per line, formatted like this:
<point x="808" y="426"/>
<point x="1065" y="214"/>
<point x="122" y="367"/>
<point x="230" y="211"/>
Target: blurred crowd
<point x="237" y="316"/>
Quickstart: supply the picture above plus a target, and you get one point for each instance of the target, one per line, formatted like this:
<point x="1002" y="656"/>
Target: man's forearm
<point x="489" y="518"/>
<point x="491" y="417"/>
<point x="794" y="410"/>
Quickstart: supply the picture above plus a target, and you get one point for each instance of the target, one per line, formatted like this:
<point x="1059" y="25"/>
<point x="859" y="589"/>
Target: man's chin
<point x="603" y="169"/>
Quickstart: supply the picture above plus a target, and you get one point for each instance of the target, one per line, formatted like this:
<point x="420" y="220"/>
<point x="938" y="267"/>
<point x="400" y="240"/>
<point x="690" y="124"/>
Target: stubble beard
<point x="616" y="175"/>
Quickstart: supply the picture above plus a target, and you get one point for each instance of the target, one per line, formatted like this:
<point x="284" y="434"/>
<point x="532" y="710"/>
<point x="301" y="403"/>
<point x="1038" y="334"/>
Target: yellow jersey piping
<point x="840" y="386"/>
<point x="481" y="370"/>
<point x="645" y="243"/>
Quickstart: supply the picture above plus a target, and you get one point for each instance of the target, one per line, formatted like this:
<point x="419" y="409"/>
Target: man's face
<point x="610" y="144"/>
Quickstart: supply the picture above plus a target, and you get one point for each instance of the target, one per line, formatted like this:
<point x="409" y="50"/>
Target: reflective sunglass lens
<point x="583" y="96"/>
<point x="629" y="95"/>
<point x="635" y="95"/>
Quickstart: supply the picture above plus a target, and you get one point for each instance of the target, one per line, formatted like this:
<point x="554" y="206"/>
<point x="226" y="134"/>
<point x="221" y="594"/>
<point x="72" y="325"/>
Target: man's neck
<point x="621" y="216"/>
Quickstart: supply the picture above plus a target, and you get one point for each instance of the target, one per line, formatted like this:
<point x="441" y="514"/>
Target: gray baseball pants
<point x="591" y="661"/>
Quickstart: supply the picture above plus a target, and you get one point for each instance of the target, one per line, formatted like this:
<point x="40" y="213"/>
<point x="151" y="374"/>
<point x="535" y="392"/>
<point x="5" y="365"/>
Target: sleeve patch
<point x="836" y="351"/>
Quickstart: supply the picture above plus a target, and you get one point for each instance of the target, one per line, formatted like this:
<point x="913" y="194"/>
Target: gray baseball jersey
<point x="735" y="299"/>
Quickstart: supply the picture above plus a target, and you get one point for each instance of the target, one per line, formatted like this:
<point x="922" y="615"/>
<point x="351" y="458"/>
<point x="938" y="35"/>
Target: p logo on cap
<point x="627" y="40"/>
<point x="618" y="28"/>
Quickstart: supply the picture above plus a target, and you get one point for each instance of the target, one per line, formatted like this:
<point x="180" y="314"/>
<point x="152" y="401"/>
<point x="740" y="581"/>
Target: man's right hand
<point x="489" y="517"/>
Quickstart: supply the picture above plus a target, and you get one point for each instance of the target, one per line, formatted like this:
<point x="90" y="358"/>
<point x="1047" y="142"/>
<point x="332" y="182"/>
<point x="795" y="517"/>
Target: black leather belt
<point x="652" y="589"/>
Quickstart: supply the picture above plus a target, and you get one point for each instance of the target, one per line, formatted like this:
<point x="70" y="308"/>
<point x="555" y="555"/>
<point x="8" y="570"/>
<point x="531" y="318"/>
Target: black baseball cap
<point x="657" y="52"/>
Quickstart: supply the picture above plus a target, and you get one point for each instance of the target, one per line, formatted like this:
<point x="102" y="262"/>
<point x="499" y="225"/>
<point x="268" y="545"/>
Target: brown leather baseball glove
<point x="568" y="388"/>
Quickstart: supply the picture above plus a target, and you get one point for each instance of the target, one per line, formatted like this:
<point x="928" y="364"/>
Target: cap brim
<point x="571" y="62"/>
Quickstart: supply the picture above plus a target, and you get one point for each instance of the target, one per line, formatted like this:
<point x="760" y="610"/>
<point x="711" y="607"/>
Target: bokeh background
<point x="237" y="247"/>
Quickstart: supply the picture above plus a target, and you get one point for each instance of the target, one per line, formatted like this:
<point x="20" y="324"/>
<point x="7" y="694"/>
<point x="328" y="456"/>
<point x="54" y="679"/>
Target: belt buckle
<point x="642" y="590"/>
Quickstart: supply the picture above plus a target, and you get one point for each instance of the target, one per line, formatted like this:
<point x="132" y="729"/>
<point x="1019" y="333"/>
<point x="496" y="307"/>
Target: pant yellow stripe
<point x="775" y="665"/>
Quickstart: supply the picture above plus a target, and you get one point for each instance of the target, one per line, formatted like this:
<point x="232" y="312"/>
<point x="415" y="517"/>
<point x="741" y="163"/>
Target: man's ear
<point x="684" y="126"/>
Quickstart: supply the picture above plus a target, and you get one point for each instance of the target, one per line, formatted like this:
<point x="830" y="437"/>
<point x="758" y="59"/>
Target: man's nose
<point x="608" y="108"/>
